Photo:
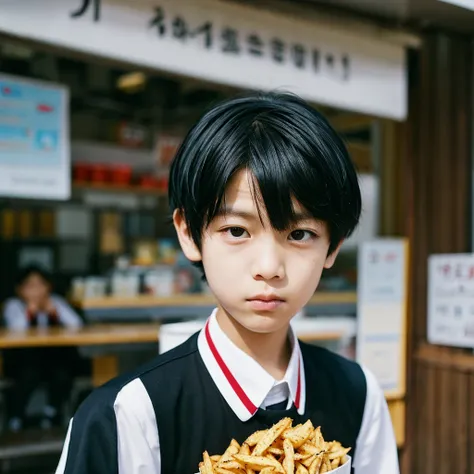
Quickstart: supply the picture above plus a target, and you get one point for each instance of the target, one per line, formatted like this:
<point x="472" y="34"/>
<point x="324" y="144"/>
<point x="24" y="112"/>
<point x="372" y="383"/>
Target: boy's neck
<point x="271" y="350"/>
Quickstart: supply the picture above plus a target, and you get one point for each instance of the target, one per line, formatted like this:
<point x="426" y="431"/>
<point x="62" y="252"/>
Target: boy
<point x="263" y="194"/>
<point x="36" y="306"/>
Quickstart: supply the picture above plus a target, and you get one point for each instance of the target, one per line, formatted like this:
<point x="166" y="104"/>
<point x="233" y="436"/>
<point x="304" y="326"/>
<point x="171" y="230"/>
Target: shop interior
<point x="125" y="126"/>
<point x="111" y="249"/>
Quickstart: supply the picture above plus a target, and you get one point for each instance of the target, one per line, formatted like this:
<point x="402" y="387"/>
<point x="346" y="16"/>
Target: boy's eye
<point x="301" y="235"/>
<point x="236" y="232"/>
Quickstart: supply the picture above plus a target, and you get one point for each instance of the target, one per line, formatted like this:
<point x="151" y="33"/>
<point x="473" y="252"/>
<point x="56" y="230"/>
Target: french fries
<point x="282" y="449"/>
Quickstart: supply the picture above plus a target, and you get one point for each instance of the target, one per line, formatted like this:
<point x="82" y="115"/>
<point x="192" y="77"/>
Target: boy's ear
<point x="186" y="241"/>
<point x="331" y="258"/>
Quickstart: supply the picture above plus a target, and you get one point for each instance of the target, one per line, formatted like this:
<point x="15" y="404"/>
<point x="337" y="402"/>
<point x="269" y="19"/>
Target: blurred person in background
<point x="37" y="307"/>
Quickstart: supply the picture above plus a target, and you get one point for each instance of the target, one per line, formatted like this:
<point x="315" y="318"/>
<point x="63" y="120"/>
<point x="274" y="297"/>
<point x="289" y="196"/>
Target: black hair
<point x="25" y="273"/>
<point x="290" y="150"/>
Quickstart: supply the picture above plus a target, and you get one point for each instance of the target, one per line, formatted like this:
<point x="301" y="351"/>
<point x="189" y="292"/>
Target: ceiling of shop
<point x="400" y="13"/>
<point x="397" y="9"/>
<point x="443" y="14"/>
<point x="411" y="12"/>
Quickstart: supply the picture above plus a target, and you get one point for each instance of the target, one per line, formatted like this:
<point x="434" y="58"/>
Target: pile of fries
<point x="283" y="448"/>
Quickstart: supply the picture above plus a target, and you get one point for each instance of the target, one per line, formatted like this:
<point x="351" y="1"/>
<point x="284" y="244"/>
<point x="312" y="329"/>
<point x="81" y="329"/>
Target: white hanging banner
<point x="34" y="139"/>
<point x="468" y="4"/>
<point x="225" y="43"/>
<point x="451" y="300"/>
<point x="382" y="311"/>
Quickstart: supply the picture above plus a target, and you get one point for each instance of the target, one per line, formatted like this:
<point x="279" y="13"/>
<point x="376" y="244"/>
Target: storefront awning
<point x="226" y="43"/>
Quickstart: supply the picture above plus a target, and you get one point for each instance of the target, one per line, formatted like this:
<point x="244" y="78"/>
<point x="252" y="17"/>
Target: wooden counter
<point x="108" y="334"/>
<point x="95" y="334"/>
<point x="105" y="367"/>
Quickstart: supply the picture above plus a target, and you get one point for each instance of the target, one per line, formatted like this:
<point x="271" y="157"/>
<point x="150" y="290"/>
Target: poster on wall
<point x="451" y="300"/>
<point x="381" y="311"/>
<point x="227" y="43"/>
<point x="34" y="139"/>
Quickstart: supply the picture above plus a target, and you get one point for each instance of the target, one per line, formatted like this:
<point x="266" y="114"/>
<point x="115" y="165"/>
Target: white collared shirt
<point x="255" y="388"/>
<point x="246" y="386"/>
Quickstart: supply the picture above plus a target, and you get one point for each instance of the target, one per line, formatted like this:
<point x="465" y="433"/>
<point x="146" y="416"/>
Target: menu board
<point x="381" y="311"/>
<point x="34" y="139"/>
<point x="451" y="300"/>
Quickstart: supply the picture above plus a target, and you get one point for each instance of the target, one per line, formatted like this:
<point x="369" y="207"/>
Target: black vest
<point x="193" y="416"/>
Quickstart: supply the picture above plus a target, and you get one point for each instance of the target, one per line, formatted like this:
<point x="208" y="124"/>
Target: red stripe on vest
<point x="228" y="375"/>
<point x="298" y="386"/>
<point x="236" y="386"/>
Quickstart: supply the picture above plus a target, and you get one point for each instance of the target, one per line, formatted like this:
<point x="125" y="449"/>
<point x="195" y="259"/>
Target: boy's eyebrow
<point x="226" y="211"/>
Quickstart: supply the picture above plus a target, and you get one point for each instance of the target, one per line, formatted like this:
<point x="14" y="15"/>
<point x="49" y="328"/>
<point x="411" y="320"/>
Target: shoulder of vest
<point x="106" y="395"/>
<point x="325" y="359"/>
<point x="184" y="350"/>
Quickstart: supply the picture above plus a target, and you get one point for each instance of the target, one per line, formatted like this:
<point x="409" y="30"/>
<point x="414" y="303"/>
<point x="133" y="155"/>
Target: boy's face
<point x="34" y="289"/>
<point x="260" y="277"/>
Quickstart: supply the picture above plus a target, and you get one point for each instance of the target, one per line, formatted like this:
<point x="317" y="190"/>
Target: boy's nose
<point x="268" y="263"/>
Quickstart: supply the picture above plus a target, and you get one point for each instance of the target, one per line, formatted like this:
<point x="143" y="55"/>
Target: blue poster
<point x="34" y="139"/>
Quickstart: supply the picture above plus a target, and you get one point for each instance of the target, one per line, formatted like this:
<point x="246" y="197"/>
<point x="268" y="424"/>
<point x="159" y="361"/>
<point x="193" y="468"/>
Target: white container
<point x="77" y="289"/>
<point x="160" y="281"/>
<point x="345" y="469"/>
<point x="126" y="285"/>
<point x="94" y="287"/>
<point x="344" y="324"/>
<point x="172" y="335"/>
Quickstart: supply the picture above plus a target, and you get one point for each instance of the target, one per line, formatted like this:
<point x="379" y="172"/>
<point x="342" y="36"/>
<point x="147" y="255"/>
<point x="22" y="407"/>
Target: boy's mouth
<point x="265" y="302"/>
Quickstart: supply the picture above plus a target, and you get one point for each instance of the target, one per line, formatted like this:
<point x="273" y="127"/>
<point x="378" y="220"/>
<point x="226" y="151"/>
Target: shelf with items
<point x="193" y="306"/>
<point x="119" y="188"/>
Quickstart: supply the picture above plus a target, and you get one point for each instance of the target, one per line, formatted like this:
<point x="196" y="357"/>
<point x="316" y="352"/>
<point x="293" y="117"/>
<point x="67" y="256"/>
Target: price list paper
<point x="381" y="311"/>
<point x="451" y="300"/>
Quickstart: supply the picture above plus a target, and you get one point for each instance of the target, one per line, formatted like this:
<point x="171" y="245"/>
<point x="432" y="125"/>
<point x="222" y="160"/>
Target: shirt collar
<point x="240" y="379"/>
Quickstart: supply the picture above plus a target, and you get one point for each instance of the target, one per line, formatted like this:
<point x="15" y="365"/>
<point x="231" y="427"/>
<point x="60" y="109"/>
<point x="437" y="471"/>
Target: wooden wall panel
<point x="436" y="177"/>
<point x="470" y="428"/>
<point x="393" y="208"/>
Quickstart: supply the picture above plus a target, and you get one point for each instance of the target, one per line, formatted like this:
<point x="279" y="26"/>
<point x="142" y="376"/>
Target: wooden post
<point x="437" y="184"/>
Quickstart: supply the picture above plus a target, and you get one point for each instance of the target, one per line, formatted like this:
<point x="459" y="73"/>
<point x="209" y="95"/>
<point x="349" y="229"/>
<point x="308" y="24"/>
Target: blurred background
<point x="96" y="97"/>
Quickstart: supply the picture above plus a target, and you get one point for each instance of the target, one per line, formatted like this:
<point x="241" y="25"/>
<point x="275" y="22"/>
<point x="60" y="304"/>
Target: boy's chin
<point x="263" y="324"/>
